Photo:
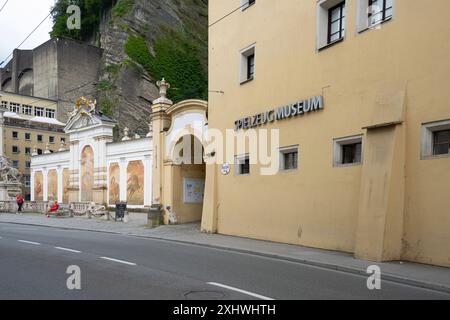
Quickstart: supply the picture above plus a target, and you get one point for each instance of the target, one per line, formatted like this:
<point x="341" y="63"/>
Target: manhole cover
<point x="204" y="295"/>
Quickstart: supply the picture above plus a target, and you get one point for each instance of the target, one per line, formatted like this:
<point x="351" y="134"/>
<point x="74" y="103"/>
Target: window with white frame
<point x="436" y="139"/>
<point x="27" y="164"/>
<point x="15" y="164"/>
<point x="39" y="112"/>
<point x="242" y="165"/>
<point x="348" y="151"/>
<point x="248" y="60"/>
<point x="245" y="4"/>
<point x="27" y="151"/>
<point x="4" y="104"/>
<point x="289" y="158"/>
<point x="373" y="12"/>
<point x="15" y="149"/>
<point x="50" y="113"/>
<point x="331" y="15"/>
<point x="27" y="110"/>
<point x="14" y="107"/>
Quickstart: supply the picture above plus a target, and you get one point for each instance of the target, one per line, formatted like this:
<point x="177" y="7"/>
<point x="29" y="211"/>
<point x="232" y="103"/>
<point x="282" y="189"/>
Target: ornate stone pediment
<point x="83" y="116"/>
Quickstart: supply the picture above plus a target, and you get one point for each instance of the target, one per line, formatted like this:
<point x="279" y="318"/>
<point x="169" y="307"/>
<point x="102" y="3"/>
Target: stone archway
<point x="188" y="179"/>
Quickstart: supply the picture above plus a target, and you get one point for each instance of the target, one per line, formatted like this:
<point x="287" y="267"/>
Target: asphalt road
<point x="34" y="261"/>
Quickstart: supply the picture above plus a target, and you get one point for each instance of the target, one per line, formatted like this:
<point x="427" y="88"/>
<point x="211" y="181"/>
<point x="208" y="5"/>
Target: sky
<point x="18" y="19"/>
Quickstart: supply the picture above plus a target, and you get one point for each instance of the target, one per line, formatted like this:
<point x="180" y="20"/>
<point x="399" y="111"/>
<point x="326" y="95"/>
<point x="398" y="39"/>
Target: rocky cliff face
<point x="143" y="41"/>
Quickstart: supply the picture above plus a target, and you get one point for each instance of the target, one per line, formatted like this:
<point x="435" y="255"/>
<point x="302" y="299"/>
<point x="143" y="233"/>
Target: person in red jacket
<point x="54" y="208"/>
<point x="20" y="201"/>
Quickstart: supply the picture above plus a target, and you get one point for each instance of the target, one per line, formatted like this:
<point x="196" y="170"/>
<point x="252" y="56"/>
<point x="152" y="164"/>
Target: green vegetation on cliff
<point x="175" y="58"/>
<point x="91" y="11"/>
<point x="157" y="46"/>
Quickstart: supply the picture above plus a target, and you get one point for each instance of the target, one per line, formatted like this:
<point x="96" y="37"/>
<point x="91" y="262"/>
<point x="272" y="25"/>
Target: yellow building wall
<point x="318" y="205"/>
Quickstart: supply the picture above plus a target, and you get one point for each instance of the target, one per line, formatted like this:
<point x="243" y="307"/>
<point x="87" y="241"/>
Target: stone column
<point x="123" y="165"/>
<point x="59" y="173"/>
<point x="45" y="184"/>
<point x="32" y="185"/>
<point x="160" y="122"/>
<point x="148" y="181"/>
<point x="2" y="123"/>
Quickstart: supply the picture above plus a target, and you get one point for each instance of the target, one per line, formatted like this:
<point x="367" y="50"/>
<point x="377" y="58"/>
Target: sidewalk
<point x="424" y="276"/>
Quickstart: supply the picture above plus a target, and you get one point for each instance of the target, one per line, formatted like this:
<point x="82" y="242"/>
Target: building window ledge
<point x="331" y="44"/>
<point x="436" y="157"/>
<point x="375" y="25"/>
<point x="247" y="81"/>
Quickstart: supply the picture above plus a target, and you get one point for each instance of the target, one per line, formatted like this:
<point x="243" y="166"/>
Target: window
<point x="4" y="104"/>
<point x="15" y="149"/>
<point x="27" y="110"/>
<point x="40" y="138"/>
<point x="336" y="23"/>
<point x="38" y="112"/>
<point x="379" y="11"/>
<point x="28" y="151"/>
<point x="289" y="159"/>
<point x="27" y="164"/>
<point x="50" y="113"/>
<point x="373" y="12"/>
<point x="39" y="151"/>
<point x="351" y="153"/>
<point x="245" y="4"/>
<point x="348" y="151"/>
<point x="14" y="107"/>
<point x="331" y="16"/>
<point x="15" y="164"/>
<point x="27" y="181"/>
<point x="51" y="140"/>
<point x="441" y="142"/>
<point x="436" y="139"/>
<point x="63" y="140"/>
<point x="15" y="135"/>
<point x="248" y="64"/>
<point x="242" y="165"/>
<point x="28" y="136"/>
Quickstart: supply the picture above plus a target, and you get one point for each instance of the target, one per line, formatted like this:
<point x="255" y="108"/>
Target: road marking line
<point x="119" y="261"/>
<point x="241" y="291"/>
<point x="68" y="250"/>
<point x="30" y="242"/>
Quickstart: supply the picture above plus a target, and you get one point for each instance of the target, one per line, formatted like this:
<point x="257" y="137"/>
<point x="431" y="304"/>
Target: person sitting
<point x="54" y="209"/>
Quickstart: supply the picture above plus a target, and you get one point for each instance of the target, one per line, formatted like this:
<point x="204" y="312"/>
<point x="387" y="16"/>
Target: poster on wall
<point x="194" y="191"/>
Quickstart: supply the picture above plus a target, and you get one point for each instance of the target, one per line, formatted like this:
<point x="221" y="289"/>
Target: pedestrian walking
<point x="20" y="201"/>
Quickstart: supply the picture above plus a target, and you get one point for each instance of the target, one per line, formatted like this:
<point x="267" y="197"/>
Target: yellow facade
<point x="384" y="83"/>
<point x="24" y="133"/>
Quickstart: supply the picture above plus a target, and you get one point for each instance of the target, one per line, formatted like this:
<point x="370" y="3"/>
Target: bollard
<point x="155" y="216"/>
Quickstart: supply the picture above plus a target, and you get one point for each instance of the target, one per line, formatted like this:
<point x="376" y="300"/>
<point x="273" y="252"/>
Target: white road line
<point x="119" y="261"/>
<point x="68" y="250"/>
<point x="30" y="242"/>
<point x="251" y="294"/>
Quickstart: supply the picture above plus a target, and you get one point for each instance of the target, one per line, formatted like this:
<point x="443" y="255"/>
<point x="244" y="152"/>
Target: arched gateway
<point x="179" y="170"/>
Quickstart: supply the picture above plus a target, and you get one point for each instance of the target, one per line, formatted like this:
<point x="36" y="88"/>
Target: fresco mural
<point x="114" y="183"/>
<point x="135" y="183"/>
<point x="38" y="186"/>
<point x="52" y="185"/>
<point x="66" y="184"/>
<point x="87" y="174"/>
